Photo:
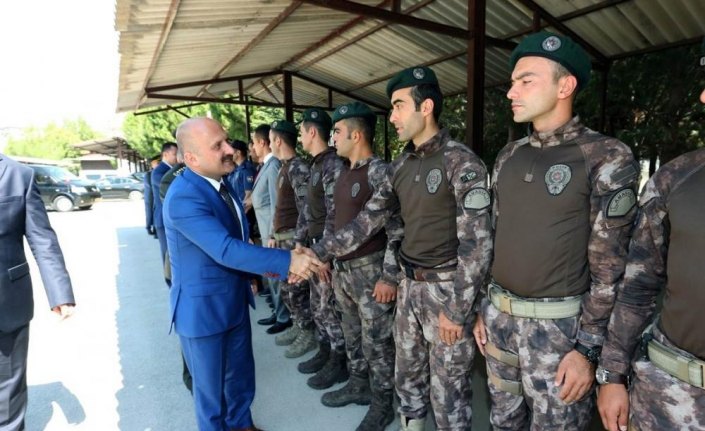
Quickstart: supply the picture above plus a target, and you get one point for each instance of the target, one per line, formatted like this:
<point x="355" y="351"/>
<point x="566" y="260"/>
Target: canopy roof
<point x="335" y="50"/>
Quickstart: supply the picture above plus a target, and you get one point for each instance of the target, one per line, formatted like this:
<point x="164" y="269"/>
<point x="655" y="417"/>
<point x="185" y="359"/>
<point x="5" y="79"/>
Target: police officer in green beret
<point x="367" y="307"/>
<point x="440" y="188"/>
<point x="564" y="202"/>
<point x="292" y="187"/>
<point x="665" y="254"/>
<point x="317" y="218"/>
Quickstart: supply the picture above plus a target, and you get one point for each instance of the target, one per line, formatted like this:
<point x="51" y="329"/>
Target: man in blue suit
<point x="22" y="215"/>
<point x="168" y="160"/>
<point x="210" y="261"/>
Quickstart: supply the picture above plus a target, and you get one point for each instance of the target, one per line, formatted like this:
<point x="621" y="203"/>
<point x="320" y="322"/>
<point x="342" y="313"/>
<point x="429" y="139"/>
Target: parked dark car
<point x="121" y="188"/>
<point x="63" y="191"/>
<point x="139" y="176"/>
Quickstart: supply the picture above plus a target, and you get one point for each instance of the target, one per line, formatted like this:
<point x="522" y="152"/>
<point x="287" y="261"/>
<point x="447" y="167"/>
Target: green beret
<point x="411" y="77"/>
<point x="354" y="110"/>
<point x="315" y="115"/>
<point x="285" y="126"/>
<point x="702" y="54"/>
<point x="558" y="48"/>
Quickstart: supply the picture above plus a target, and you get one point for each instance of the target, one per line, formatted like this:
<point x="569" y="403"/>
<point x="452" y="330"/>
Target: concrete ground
<point x="114" y="365"/>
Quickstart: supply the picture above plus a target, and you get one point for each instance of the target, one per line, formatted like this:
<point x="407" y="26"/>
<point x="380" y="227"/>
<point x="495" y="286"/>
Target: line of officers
<point x="551" y="270"/>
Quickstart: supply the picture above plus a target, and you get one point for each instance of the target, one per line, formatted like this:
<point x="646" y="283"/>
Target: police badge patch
<point x="274" y="125"/>
<point x="355" y="189"/>
<point x="621" y="202"/>
<point x="343" y="109"/>
<point x="468" y="176"/>
<point x="316" y="177"/>
<point x="250" y="179"/>
<point x="314" y="115"/>
<point x="557" y="177"/>
<point x="433" y="180"/>
<point x="551" y="43"/>
<point x="419" y="73"/>
<point x="476" y="199"/>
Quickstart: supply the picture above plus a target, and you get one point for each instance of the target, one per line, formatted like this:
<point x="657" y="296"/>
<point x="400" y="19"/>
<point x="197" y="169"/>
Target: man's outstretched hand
<point x="304" y="264"/>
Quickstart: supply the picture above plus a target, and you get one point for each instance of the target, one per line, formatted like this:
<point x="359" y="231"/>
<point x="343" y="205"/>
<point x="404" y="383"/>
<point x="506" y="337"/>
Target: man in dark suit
<point x="211" y="264"/>
<point x="148" y="198"/>
<point x="22" y="215"/>
<point x="168" y="160"/>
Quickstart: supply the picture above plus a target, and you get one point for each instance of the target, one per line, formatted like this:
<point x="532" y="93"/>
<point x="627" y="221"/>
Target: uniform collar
<point x="430" y="146"/>
<point x="565" y="133"/>
<point x="322" y="154"/>
<point x="361" y="163"/>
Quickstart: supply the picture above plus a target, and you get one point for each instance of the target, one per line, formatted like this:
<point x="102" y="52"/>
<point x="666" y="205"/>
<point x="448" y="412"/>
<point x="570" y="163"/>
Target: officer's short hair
<point x="262" y="132"/>
<point x="421" y="92"/>
<point x="362" y="125"/>
<point x="238" y="145"/>
<point x="288" y="138"/>
<point x="559" y="71"/>
<point x="166" y="146"/>
<point x="321" y="129"/>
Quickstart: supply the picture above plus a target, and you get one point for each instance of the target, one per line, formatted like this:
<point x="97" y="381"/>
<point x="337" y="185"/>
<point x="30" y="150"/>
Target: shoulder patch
<point x="476" y="199"/>
<point x="468" y="176"/>
<point x="620" y="203"/>
<point x="250" y="179"/>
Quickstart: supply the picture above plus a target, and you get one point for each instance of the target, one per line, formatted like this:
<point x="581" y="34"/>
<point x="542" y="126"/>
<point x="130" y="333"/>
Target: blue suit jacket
<point x="210" y="260"/>
<point x="22" y="215"/>
<point x="156" y="179"/>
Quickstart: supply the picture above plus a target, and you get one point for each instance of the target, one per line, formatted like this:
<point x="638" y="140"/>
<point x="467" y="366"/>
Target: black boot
<point x="380" y="414"/>
<point x="356" y="391"/>
<point x="315" y="364"/>
<point x="334" y="371"/>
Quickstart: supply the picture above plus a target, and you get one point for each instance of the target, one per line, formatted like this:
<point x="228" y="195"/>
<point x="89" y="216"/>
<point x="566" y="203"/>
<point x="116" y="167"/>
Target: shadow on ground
<point x="152" y="397"/>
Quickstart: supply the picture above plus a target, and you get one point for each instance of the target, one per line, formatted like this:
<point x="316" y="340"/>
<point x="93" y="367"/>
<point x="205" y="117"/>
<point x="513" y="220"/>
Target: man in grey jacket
<point x="264" y="196"/>
<point x="23" y="216"/>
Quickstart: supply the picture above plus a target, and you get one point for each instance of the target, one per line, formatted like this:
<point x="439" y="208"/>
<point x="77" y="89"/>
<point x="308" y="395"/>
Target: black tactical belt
<point x="419" y="273"/>
<point x="348" y="265"/>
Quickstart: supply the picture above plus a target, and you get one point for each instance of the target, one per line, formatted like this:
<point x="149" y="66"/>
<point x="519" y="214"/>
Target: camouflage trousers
<point x="428" y="370"/>
<point x="659" y="401"/>
<point x="296" y="297"/>
<point x="367" y="325"/>
<point x="539" y="345"/>
<point x="325" y="315"/>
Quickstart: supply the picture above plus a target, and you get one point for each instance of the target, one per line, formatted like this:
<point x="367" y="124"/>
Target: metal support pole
<point x="603" y="99"/>
<point x="476" y="76"/>
<point x="288" y="97"/>
<point x="247" y="120"/>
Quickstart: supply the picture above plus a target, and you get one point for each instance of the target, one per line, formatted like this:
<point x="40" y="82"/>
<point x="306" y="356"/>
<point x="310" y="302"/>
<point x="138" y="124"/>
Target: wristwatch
<point x="591" y="353"/>
<point x="604" y="376"/>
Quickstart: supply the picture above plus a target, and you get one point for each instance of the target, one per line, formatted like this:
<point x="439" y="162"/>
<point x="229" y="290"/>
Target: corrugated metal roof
<point x="166" y="42"/>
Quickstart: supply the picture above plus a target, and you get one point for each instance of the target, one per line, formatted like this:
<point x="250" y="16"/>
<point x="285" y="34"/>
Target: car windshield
<point x="60" y="174"/>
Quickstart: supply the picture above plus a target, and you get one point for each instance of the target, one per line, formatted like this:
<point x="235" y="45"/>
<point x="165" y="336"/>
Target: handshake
<point x="304" y="265"/>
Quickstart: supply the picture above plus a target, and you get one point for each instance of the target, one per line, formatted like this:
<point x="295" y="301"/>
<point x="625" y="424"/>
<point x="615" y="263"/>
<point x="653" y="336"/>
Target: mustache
<point x="227" y="159"/>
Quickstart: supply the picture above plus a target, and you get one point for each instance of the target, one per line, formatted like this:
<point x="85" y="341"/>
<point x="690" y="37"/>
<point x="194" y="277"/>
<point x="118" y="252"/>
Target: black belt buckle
<point x="408" y="270"/>
<point x="644" y="345"/>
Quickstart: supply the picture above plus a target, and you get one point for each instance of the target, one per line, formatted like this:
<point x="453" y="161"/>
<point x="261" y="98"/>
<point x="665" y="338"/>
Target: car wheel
<point x="62" y="204"/>
<point x="134" y="195"/>
<point x="87" y="207"/>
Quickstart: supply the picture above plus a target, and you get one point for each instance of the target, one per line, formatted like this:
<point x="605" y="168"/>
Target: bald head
<point x="192" y="131"/>
<point x="206" y="151"/>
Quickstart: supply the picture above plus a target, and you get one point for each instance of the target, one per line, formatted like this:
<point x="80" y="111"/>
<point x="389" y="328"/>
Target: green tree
<point x="53" y="141"/>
